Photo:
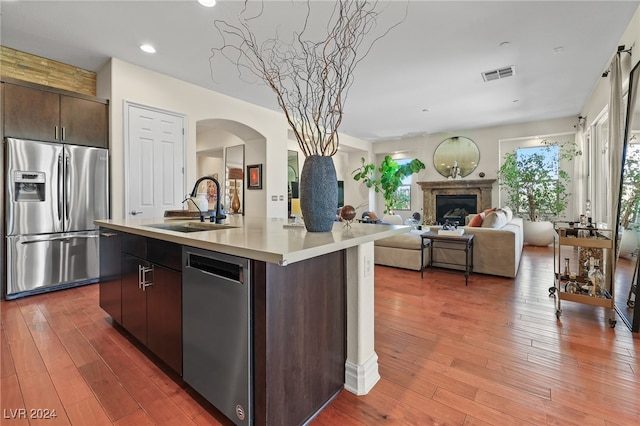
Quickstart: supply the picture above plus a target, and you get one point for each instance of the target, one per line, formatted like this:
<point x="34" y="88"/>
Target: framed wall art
<point x="254" y="176"/>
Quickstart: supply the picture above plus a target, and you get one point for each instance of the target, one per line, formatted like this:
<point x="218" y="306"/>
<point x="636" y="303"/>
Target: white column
<point x="362" y="361"/>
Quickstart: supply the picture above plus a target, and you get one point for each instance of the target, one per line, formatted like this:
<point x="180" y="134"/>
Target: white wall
<point x="599" y="97"/>
<point x="210" y="166"/>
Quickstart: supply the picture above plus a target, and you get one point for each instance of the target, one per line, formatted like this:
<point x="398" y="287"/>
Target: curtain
<point x="580" y="167"/>
<point x="632" y="100"/>
<point x="616" y="137"/>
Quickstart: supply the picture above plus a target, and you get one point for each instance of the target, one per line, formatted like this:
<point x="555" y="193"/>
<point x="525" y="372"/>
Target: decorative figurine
<point x="454" y="173"/>
<point x="347" y="214"/>
<point x="450" y="226"/>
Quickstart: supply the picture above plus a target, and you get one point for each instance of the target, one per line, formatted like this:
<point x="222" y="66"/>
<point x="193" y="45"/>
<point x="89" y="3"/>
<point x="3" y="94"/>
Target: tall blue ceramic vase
<point x="318" y="193"/>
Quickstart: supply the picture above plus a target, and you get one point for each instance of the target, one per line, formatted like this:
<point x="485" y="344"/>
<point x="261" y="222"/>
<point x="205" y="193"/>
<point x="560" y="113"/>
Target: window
<point x="599" y="178"/>
<point x="546" y="160"/>
<point x="403" y="194"/>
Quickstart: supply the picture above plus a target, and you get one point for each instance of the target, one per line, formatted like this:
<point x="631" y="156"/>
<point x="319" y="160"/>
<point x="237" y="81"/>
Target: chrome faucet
<point x="219" y="217"/>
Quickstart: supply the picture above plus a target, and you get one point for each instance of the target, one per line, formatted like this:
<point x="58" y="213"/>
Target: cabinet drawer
<point x="164" y="253"/>
<point x="135" y="245"/>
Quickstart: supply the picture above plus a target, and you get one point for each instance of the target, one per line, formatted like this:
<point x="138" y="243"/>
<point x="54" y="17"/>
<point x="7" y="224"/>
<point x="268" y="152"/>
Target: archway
<point x="213" y="137"/>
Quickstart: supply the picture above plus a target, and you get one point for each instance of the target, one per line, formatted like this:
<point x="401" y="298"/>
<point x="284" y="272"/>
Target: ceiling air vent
<point x="503" y="72"/>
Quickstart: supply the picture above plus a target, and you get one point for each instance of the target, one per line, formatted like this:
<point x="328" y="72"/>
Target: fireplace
<point x="455" y="208"/>
<point x="480" y="188"/>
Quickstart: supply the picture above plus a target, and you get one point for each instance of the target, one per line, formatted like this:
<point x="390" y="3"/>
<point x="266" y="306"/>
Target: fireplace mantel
<point x="480" y="187"/>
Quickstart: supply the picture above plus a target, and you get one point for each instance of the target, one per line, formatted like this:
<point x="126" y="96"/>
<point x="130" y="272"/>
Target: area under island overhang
<point x="295" y="302"/>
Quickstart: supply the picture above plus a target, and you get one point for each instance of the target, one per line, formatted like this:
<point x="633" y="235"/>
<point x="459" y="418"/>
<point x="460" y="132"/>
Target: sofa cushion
<point x="476" y="220"/>
<point x="495" y="220"/>
<point x="487" y="211"/>
<point x="407" y="240"/>
<point x="509" y="213"/>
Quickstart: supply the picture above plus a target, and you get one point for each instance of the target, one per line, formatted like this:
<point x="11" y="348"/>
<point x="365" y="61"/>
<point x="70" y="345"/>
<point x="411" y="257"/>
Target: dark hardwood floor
<point x="490" y="353"/>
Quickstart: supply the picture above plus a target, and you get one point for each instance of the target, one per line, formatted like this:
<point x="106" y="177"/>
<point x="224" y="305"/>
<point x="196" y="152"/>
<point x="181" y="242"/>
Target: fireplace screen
<point x="455" y="207"/>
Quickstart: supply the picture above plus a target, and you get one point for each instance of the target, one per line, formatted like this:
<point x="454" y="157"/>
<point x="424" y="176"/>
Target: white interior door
<point x="154" y="180"/>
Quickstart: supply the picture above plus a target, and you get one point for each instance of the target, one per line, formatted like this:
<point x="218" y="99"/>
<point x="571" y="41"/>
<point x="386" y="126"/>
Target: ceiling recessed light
<point x="558" y="50"/>
<point x="426" y="109"/>
<point x="207" y="3"/>
<point x="516" y="100"/>
<point x="148" y="48"/>
<point x="504" y="44"/>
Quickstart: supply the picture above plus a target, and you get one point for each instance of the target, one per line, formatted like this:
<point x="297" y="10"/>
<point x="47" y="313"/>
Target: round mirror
<point x="456" y="157"/>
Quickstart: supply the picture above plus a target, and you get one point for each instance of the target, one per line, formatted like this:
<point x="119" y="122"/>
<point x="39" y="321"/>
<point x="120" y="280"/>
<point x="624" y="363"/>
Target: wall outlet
<point x="368" y="266"/>
<point x="274" y="198"/>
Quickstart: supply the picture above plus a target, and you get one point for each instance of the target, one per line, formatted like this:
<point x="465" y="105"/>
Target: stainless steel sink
<point x="190" y="227"/>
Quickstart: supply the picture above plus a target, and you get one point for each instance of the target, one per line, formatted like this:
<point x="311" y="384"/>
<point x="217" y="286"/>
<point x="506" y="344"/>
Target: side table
<point x="462" y="242"/>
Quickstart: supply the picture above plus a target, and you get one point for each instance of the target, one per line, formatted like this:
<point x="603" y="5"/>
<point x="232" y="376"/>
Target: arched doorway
<point x="217" y="152"/>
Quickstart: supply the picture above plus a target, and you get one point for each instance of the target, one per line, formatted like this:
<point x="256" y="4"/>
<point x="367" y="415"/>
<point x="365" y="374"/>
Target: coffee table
<point x="462" y="242"/>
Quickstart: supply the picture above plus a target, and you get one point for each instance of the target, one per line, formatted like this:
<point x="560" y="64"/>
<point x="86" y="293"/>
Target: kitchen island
<point x="311" y="304"/>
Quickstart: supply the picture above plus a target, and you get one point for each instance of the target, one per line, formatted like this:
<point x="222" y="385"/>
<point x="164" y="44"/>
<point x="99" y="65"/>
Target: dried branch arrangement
<point x="311" y="78"/>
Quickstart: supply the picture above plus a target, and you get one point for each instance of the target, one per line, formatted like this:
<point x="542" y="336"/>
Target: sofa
<point x="496" y="251"/>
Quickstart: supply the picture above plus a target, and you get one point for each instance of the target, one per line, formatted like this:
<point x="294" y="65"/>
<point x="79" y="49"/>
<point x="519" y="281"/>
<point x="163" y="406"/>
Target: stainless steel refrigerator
<point x="54" y="192"/>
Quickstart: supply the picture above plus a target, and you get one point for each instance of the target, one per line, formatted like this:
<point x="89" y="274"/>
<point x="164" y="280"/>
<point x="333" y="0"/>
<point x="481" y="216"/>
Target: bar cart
<point x="574" y="244"/>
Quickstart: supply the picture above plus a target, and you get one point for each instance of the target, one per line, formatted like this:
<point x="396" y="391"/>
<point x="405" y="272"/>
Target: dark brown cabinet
<point x="84" y="122"/>
<point x="152" y="296"/>
<point x="297" y="324"/>
<point x="111" y="273"/>
<point x="46" y="115"/>
<point x="164" y="316"/>
<point x="134" y="298"/>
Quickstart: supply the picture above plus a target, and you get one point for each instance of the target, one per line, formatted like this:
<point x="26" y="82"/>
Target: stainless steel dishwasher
<point x="216" y="331"/>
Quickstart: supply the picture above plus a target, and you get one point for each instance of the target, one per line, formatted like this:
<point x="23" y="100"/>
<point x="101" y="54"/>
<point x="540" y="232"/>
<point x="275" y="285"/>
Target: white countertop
<point x="264" y="239"/>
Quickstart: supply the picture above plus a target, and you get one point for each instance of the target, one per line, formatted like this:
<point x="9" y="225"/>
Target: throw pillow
<point x="476" y="221"/>
<point x="509" y="213"/>
<point x="487" y="211"/>
<point x="495" y="220"/>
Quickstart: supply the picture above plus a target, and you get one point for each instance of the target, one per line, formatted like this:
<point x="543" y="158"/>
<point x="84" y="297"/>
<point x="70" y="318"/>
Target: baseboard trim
<point x="360" y="378"/>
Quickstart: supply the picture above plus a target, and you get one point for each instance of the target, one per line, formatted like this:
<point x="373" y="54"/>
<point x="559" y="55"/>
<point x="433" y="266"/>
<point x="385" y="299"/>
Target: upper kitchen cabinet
<point x="52" y="116"/>
<point x="84" y="122"/>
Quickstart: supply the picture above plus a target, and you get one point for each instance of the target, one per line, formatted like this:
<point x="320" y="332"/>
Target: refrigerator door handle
<point x="67" y="176"/>
<point x="60" y="187"/>
<point x="67" y="238"/>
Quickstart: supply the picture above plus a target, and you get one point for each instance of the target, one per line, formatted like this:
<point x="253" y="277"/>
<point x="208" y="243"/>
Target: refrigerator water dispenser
<point x="29" y="186"/>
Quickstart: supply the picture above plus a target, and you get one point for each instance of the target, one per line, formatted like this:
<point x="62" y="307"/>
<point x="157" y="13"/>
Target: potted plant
<point x="537" y="186"/>
<point x="310" y="74"/>
<point x="387" y="178"/>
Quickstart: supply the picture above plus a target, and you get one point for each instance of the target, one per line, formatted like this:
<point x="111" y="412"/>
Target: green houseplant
<point x="387" y="178"/>
<point x="538" y="187"/>
<point x="535" y="182"/>
<point x="630" y="200"/>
